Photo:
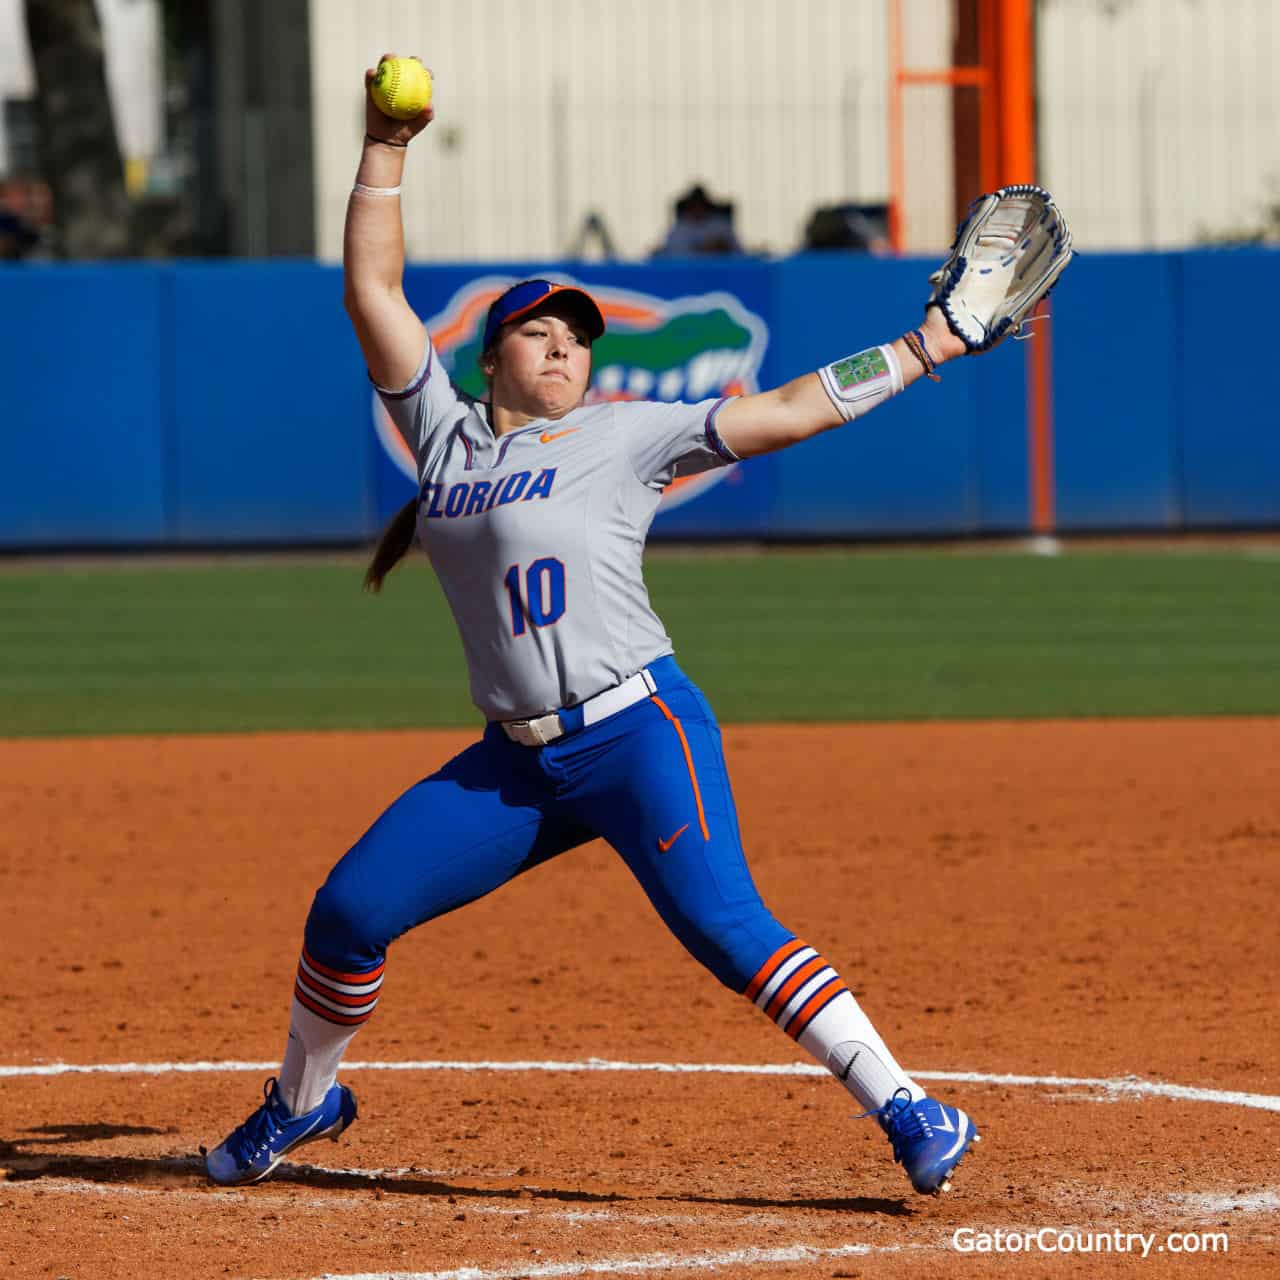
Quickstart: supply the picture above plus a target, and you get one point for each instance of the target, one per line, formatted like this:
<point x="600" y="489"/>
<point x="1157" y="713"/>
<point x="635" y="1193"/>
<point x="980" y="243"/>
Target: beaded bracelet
<point x="914" y="339"/>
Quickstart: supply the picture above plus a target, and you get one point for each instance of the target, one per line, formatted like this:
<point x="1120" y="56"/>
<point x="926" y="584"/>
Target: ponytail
<point x="396" y="539"/>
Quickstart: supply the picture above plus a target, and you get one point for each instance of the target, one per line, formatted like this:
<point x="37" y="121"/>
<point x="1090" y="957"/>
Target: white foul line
<point x="634" y="1266"/>
<point x="1120" y="1086"/>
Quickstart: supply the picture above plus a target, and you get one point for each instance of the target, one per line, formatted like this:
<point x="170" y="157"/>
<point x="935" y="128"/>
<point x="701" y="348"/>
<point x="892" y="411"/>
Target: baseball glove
<point x="1007" y="254"/>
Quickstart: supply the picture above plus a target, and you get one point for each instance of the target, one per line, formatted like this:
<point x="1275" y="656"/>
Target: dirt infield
<point x="1082" y="900"/>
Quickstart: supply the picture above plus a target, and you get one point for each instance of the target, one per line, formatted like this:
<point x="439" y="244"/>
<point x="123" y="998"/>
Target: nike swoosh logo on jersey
<point x="664" y="845"/>
<point x="548" y="436"/>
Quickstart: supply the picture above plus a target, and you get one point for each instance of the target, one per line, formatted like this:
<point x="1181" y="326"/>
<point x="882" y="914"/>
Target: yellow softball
<point x="401" y="88"/>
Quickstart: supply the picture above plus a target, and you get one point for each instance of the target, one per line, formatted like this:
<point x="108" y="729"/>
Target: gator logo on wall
<point x="691" y="348"/>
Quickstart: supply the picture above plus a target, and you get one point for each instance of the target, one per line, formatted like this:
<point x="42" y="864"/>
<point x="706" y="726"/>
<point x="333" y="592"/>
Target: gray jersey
<point x="537" y="536"/>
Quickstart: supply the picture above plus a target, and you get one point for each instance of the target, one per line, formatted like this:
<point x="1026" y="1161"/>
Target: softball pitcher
<point x="534" y="508"/>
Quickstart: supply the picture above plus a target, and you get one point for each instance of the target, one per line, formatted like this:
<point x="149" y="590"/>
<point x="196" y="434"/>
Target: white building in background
<point x="132" y="39"/>
<point x="1159" y="122"/>
<point x="1159" y="119"/>
<point x="17" y="82"/>
<point x="617" y="106"/>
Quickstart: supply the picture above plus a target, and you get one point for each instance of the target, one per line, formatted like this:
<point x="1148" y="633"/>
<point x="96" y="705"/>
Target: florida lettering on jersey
<point x="548" y="596"/>
<point x="474" y="497"/>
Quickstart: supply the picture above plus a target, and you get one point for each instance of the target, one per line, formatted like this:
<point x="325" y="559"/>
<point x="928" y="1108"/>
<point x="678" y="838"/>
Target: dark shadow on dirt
<point x="60" y="1133"/>
<point x="166" y="1171"/>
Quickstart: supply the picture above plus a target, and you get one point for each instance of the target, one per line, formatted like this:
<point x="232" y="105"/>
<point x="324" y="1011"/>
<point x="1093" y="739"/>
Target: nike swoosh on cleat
<point x="664" y="845"/>
<point x="306" y="1136"/>
<point x="548" y="436"/>
<point x="307" y="1132"/>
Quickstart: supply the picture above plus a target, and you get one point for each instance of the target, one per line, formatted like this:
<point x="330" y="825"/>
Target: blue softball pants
<point x="650" y="780"/>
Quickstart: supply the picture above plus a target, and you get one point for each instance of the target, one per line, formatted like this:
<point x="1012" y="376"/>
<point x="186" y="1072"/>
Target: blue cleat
<point x="266" y="1137"/>
<point x="929" y="1139"/>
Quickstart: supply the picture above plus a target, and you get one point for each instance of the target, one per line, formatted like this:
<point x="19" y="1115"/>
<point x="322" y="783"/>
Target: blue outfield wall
<point x="268" y="396"/>
<point x="84" y="434"/>
<point x="153" y="404"/>
<point x="1115" y="392"/>
<point x="1229" y="393"/>
<point x="177" y="404"/>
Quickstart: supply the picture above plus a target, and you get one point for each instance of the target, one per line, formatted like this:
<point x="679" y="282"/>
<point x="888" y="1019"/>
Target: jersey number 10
<point x="543" y="601"/>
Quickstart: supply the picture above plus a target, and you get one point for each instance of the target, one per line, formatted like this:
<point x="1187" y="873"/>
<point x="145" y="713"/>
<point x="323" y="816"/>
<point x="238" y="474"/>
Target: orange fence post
<point x="1015" y="78"/>
<point x="988" y="108"/>
<point x="977" y="76"/>
<point x="1015" y="106"/>
<point x="1008" y="49"/>
<point x="1005" y="80"/>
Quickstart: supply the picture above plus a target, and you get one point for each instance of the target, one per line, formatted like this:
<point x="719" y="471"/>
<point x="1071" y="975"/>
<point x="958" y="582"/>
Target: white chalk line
<point x="800" y="1253"/>
<point x="649" y="1262"/>
<point x="618" y="1214"/>
<point x="662" y="1262"/>
<point x="1183" y="1205"/>
<point x="1198" y="1203"/>
<point x="1116" y="1087"/>
<point x="753" y="1256"/>
<point x="1211" y="1204"/>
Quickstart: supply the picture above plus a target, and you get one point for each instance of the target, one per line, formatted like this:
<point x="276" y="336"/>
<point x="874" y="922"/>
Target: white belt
<point x="538" y="732"/>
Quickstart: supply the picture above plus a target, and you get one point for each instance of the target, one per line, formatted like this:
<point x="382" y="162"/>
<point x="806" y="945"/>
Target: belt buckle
<point x="532" y="733"/>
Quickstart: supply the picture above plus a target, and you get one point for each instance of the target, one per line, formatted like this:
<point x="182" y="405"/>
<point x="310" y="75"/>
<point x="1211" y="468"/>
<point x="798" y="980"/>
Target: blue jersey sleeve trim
<point x="713" y="436"/>
<point x="509" y="437"/>
<point x="416" y="385"/>
<point x="466" y="444"/>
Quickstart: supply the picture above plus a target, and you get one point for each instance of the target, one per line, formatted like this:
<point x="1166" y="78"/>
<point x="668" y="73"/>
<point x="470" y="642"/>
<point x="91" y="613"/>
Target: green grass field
<point x="781" y="635"/>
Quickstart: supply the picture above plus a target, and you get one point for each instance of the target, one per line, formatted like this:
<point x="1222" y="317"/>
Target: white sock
<point x="804" y="995"/>
<point x="311" y="1059"/>
<point x="329" y="1007"/>
<point x="842" y="1038"/>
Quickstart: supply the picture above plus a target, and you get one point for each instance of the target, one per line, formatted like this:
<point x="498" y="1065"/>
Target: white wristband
<point x="374" y="191"/>
<point x="859" y="382"/>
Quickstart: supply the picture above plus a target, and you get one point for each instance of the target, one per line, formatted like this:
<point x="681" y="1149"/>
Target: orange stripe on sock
<point x="813" y="1008"/>
<point x="771" y="966"/>
<point x="328" y="1015"/>
<point x="688" y="759"/>
<point x="792" y="985"/>
<point x="308" y="984"/>
<point x="351" y="979"/>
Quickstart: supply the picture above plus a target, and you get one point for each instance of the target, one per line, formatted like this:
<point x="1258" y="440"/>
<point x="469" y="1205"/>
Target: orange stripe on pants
<point x="688" y="759"/>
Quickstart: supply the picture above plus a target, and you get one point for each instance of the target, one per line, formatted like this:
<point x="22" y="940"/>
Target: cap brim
<point x="587" y="307"/>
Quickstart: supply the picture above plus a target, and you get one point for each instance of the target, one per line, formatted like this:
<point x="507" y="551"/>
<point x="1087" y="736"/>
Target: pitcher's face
<point x="541" y="365"/>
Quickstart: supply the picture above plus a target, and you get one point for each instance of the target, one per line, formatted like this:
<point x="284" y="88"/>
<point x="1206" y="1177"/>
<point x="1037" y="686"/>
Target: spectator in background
<point x="701" y="225"/>
<point x="855" y="228"/>
<point x="17" y="237"/>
